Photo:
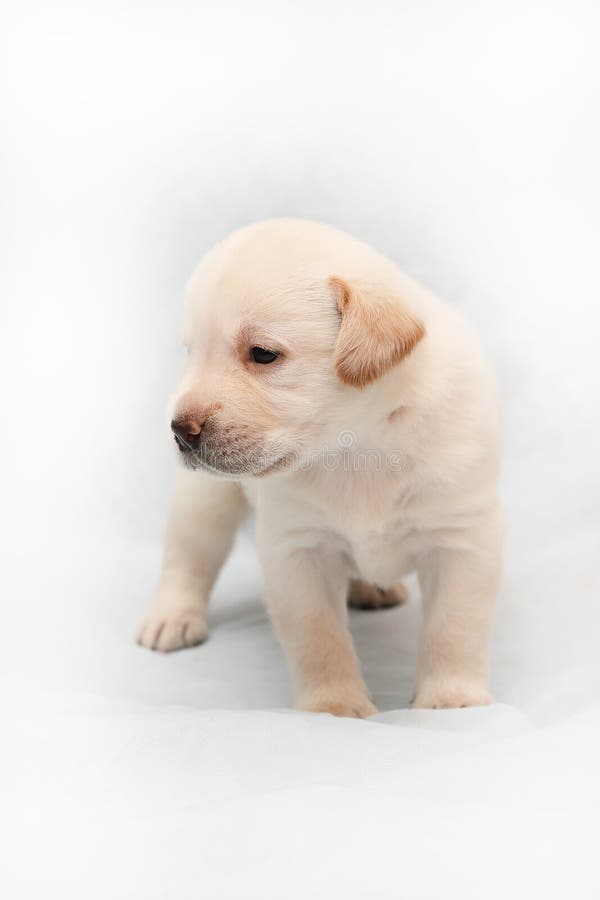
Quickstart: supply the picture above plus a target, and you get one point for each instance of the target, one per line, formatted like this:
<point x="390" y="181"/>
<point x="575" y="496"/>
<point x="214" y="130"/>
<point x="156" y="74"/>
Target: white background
<point x="462" y="139"/>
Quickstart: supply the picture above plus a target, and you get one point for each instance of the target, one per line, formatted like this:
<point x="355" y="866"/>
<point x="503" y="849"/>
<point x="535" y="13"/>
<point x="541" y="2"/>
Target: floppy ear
<point x="377" y="331"/>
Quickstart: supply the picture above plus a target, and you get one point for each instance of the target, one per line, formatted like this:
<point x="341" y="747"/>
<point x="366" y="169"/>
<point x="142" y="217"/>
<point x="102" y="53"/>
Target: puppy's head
<point x="278" y="340"/>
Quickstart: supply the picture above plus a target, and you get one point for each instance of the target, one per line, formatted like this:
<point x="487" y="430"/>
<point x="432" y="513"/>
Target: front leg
<point x="306" y="597"/>
<point x="459" y="588"/>
<point x="205" y="514"/>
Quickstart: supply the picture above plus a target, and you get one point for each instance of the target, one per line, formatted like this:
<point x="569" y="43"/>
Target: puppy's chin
<point x="238" y="468"/>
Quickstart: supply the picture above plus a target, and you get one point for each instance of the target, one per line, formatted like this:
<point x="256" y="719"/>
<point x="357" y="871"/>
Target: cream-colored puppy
<point x="356" y="413"/>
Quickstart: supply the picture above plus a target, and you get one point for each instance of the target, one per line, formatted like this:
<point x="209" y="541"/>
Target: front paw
<point x="352" y="704"/>
<point x="451" y="693"/>
<point x="166" y="631"/>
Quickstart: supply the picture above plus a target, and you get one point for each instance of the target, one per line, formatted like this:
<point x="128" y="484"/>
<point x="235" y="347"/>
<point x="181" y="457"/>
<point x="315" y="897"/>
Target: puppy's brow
<point x="261" y="335"/>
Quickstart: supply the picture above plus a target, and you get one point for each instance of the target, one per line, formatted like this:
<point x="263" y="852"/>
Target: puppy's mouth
<point x="234" y="465"/>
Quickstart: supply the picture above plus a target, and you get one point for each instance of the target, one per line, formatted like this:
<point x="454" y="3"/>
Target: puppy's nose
<point x="187" y="432"/>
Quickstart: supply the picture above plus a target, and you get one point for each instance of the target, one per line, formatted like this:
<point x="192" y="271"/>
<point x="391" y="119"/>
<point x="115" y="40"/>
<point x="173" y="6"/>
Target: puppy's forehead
<point x="224" y="298"/>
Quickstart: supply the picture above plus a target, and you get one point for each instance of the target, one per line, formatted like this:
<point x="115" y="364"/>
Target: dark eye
<point x="263" y="356"/>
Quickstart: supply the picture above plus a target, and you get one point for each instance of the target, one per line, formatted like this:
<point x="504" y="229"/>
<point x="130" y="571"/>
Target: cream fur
<point x="368" y="449"/>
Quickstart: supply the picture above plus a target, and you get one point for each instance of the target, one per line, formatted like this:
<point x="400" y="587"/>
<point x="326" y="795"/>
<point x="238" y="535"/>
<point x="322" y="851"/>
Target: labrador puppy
<point x="357" y="414"/>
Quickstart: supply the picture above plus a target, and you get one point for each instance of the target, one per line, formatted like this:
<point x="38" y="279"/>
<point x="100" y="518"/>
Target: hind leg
<point x="364" y="595"/>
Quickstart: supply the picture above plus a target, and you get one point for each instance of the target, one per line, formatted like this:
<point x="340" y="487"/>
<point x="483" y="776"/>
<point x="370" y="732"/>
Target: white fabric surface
<point x="463" y="140"/>
<point x="135" y="775"/>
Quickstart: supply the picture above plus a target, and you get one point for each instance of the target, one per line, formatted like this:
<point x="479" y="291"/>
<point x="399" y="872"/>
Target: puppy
<point x="356" y="413"/>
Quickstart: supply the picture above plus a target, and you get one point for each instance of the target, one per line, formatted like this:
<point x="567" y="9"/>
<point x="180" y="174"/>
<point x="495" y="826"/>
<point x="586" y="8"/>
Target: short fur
<point x="368" y="448"/>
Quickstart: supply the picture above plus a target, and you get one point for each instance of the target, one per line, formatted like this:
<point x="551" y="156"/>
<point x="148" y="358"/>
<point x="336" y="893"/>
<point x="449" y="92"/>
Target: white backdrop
<point x="462" y="139"/>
